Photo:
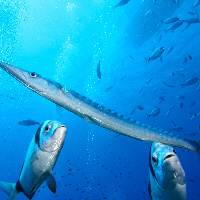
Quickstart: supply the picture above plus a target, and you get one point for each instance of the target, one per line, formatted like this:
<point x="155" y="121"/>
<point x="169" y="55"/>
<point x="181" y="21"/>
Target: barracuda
<point x="95" y="113"/>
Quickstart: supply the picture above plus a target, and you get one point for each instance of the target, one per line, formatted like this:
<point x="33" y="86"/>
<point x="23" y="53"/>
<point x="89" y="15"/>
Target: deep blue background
<point x="64" y="40"/>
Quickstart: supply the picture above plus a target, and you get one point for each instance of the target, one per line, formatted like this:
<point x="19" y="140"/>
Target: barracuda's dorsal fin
<point x="51" y="182"/>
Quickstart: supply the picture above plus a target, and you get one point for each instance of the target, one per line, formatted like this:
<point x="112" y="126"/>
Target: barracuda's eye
<point x="33" y="75"/>
<point x="174" y="151"/>
<point x="154" y="159"/>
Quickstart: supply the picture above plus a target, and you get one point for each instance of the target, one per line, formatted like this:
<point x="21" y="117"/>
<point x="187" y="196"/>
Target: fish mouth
<point x="168" y="156"/>
<point x="13" y="71"/>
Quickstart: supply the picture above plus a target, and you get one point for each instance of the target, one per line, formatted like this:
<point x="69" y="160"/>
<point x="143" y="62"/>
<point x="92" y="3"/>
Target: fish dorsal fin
<point x="149" y="189"/>
<point x="51" y="182"/>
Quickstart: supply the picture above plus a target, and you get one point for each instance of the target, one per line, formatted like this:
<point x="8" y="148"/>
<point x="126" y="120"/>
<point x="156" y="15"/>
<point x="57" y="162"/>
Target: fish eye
<point x="174" y="151"/>
<point x="33" y="75"/>
<point x="47" y="128"/>
<point x="154" y="159"/>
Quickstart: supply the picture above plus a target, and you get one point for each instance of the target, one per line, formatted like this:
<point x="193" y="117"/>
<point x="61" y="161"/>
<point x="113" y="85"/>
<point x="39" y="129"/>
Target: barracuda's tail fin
<point x="9" y="189"/>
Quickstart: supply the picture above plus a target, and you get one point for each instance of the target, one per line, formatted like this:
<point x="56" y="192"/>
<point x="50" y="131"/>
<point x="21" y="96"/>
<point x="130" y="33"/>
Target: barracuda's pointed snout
<point x="14" y="71"/>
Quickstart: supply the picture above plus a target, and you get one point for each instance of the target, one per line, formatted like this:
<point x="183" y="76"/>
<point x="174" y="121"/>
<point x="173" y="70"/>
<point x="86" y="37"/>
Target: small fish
<point x="167" y="177"/>
<point x="148" y="12"/>
<point x="98" y="70"/>
<point x="180" y="105"/>
<point x="155" y="112"/>
<point x="169" y="111"/>
<point x="186" y="27"/>
<point x="109" y="88"/>
<point x="189" y="57"/>
<point x="156" y="54"/>
<point x="121" y="3"/>
<point x="169" y="20"/>
<point x="133" y="110"/>
<point x="192" y="20"/>
<point x="174" y="26"/>
<point x="168" y="84"/>
<point x="140" y="107"/>
<point x="192" y="12"/>
<point x="169" y="50"/>
<point x="190" y="81"/>
<point x="195" y="115"/>
<point x="148" y="81"/>
<point x="28" y="122"/>
<point x="176" y="128"/>
<point x="123" y="78"/>
<point x="185" y="60"/>
<point x="155" y="2"/>
<point x="155" y="89"/>
<point x="132" y="58"/>
<point x="179" y="97"/>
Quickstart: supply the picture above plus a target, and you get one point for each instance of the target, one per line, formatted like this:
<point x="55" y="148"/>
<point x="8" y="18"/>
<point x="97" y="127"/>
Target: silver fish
<point x="169" y="50"/>
<point x="98" y="70"/>
<point x="28" y="122"/>
<point x="195" y="115"/>
<point x="167" y="177"/>
<point x="170" y="20"/>
<point x="40" y="160"/>
<point x="155" y="112"/>
<point x="190" y="81"/>
<point x="169" y="111"/>
<point x="95" y="113"/>
<point x="174" y="26"/>
<point x="176" y="128"/>
<point x="192" y="20"/>
<point x="156" y="54"/>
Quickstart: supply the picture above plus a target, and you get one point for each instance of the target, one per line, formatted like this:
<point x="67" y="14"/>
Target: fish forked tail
<point x="197" y="147"/>
<point x="9" y="189"/>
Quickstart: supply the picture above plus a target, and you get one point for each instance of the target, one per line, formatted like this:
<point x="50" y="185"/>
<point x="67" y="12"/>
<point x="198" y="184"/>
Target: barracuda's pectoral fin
<point x="51" y="182"/>
<point x="59" y="110"/>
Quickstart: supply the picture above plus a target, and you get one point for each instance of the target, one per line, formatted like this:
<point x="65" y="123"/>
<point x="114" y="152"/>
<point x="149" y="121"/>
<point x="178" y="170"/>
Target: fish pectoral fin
<point x="51" y="182"/>
<point x="59" y="110"/>
<point x="39" y="181"/>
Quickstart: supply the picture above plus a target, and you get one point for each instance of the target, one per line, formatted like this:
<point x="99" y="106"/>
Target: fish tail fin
<point x="197" y="149"/>
<point x="9" y="189"/>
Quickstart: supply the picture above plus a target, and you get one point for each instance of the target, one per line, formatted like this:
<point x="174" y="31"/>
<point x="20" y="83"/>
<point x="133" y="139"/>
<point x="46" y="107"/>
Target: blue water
<point x="64" y="40"/>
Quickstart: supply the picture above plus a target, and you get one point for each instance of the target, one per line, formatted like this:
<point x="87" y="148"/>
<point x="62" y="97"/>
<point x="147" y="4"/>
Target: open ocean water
<point x="64" y="41"/>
